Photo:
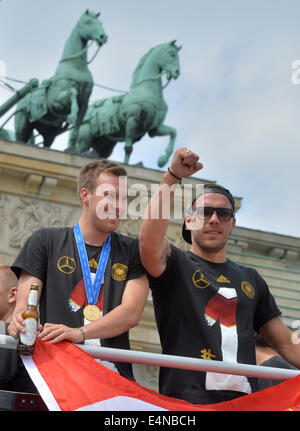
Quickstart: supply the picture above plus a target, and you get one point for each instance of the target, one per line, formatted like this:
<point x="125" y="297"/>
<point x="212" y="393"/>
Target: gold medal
<point x="91" y="312"/>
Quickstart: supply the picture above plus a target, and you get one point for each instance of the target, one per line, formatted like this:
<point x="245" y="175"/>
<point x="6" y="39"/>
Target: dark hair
<point x="89" y="173"/>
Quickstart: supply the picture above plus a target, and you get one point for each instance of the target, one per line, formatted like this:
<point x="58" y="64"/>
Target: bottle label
<point x="31" y="330"/>
<point x="32" y="299"/>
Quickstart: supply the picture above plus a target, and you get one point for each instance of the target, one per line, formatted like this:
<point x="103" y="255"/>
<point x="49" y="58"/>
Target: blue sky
<point x="234" y="102"/>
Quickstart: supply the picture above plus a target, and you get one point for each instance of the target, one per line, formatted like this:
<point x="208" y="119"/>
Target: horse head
<point x="90" y="28"/>
<point x="169" y="59"/>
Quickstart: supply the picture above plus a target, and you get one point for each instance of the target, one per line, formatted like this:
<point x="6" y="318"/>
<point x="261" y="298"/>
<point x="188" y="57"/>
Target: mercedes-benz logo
<point x="66" y="264"/>
<point x="199" y="280"/>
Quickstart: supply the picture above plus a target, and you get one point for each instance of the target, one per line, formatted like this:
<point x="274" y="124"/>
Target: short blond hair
<point x="8" y="278"/>
<point x="89" y="173"/>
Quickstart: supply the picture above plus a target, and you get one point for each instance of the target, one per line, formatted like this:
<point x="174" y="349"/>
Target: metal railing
<point x="171" y="361"/>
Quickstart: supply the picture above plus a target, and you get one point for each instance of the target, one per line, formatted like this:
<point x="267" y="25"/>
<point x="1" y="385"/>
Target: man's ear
<point x="84" y="195"/>
<point x="12" y="295"/>
<point x="233" y="223"/>
<point x="189" y="218"/>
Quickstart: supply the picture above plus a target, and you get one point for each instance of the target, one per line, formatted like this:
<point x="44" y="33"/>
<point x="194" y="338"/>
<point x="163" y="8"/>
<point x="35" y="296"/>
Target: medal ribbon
<point x="92" y="290"/>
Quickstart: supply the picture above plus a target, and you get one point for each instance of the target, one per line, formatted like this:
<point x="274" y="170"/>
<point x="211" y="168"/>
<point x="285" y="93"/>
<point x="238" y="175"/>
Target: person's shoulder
<point x="53" y="230"/>
<point x="125" y="240"/>
<point x="177" y="258"/>
<point x="179" y="251"/>
<point x="51" y="233"/>
<point x="58" y="230"/>
<point x="240" y="267"/>
<point x="278" y="362"/>
<point x="244" y="270"/>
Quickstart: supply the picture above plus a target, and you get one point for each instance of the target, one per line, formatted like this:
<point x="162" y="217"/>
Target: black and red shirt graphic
<point x="78" y="298"/>
<point x="51" y="255"/>
<point x="222" y="308"/>
<point x="209" y="311"/>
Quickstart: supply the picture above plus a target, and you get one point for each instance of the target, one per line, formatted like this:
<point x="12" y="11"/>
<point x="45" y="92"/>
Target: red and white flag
<point x="69" y="379"/>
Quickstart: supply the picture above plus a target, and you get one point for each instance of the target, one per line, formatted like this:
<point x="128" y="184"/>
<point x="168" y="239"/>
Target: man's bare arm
<point x="154" y="246"/>
<point x="119" y="320"/>
<point x="282" y="340"/>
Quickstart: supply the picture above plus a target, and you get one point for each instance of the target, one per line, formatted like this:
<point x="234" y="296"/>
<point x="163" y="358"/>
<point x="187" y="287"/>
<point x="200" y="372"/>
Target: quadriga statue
<point x="128" y="117"/>
<point x="62" y="100"/>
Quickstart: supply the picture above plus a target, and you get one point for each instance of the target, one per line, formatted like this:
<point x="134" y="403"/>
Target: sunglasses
<point x="205" y="213"/>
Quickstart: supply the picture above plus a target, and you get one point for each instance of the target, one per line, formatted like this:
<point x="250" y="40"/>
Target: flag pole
<point x="172" y="361"/>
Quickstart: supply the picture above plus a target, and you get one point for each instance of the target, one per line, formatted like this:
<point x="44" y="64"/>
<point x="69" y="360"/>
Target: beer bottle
<point x="31" y="317"/>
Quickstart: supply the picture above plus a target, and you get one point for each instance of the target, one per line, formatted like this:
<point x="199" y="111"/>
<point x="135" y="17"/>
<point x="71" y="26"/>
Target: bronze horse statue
<point x="62" y="100"/>
<point x="128" y="117"/>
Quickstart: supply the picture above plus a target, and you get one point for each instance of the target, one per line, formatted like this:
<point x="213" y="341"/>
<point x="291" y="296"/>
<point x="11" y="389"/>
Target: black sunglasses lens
<point x="224" y="214"/>
<point x="207" y="212"/>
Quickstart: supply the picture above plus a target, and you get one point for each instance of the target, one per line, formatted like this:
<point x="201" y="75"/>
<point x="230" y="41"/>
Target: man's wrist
<point x="83" y="333"/>
<point x="170" y="179"/>
<point x="175" y="176"/>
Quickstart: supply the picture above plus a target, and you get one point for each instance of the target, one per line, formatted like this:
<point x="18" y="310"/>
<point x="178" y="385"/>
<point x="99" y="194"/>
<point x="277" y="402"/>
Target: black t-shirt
<point x="51" y="255"/>
<point x="209" y="311"/>
<point x="276" y="362"/>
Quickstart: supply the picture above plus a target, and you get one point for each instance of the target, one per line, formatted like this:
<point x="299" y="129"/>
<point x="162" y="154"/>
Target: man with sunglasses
<point x="206" y="306"/>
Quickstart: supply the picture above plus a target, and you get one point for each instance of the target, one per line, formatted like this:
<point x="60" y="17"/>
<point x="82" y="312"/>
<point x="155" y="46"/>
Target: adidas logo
<point x="93" y="264"/>
<point x="223" y="279"/>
